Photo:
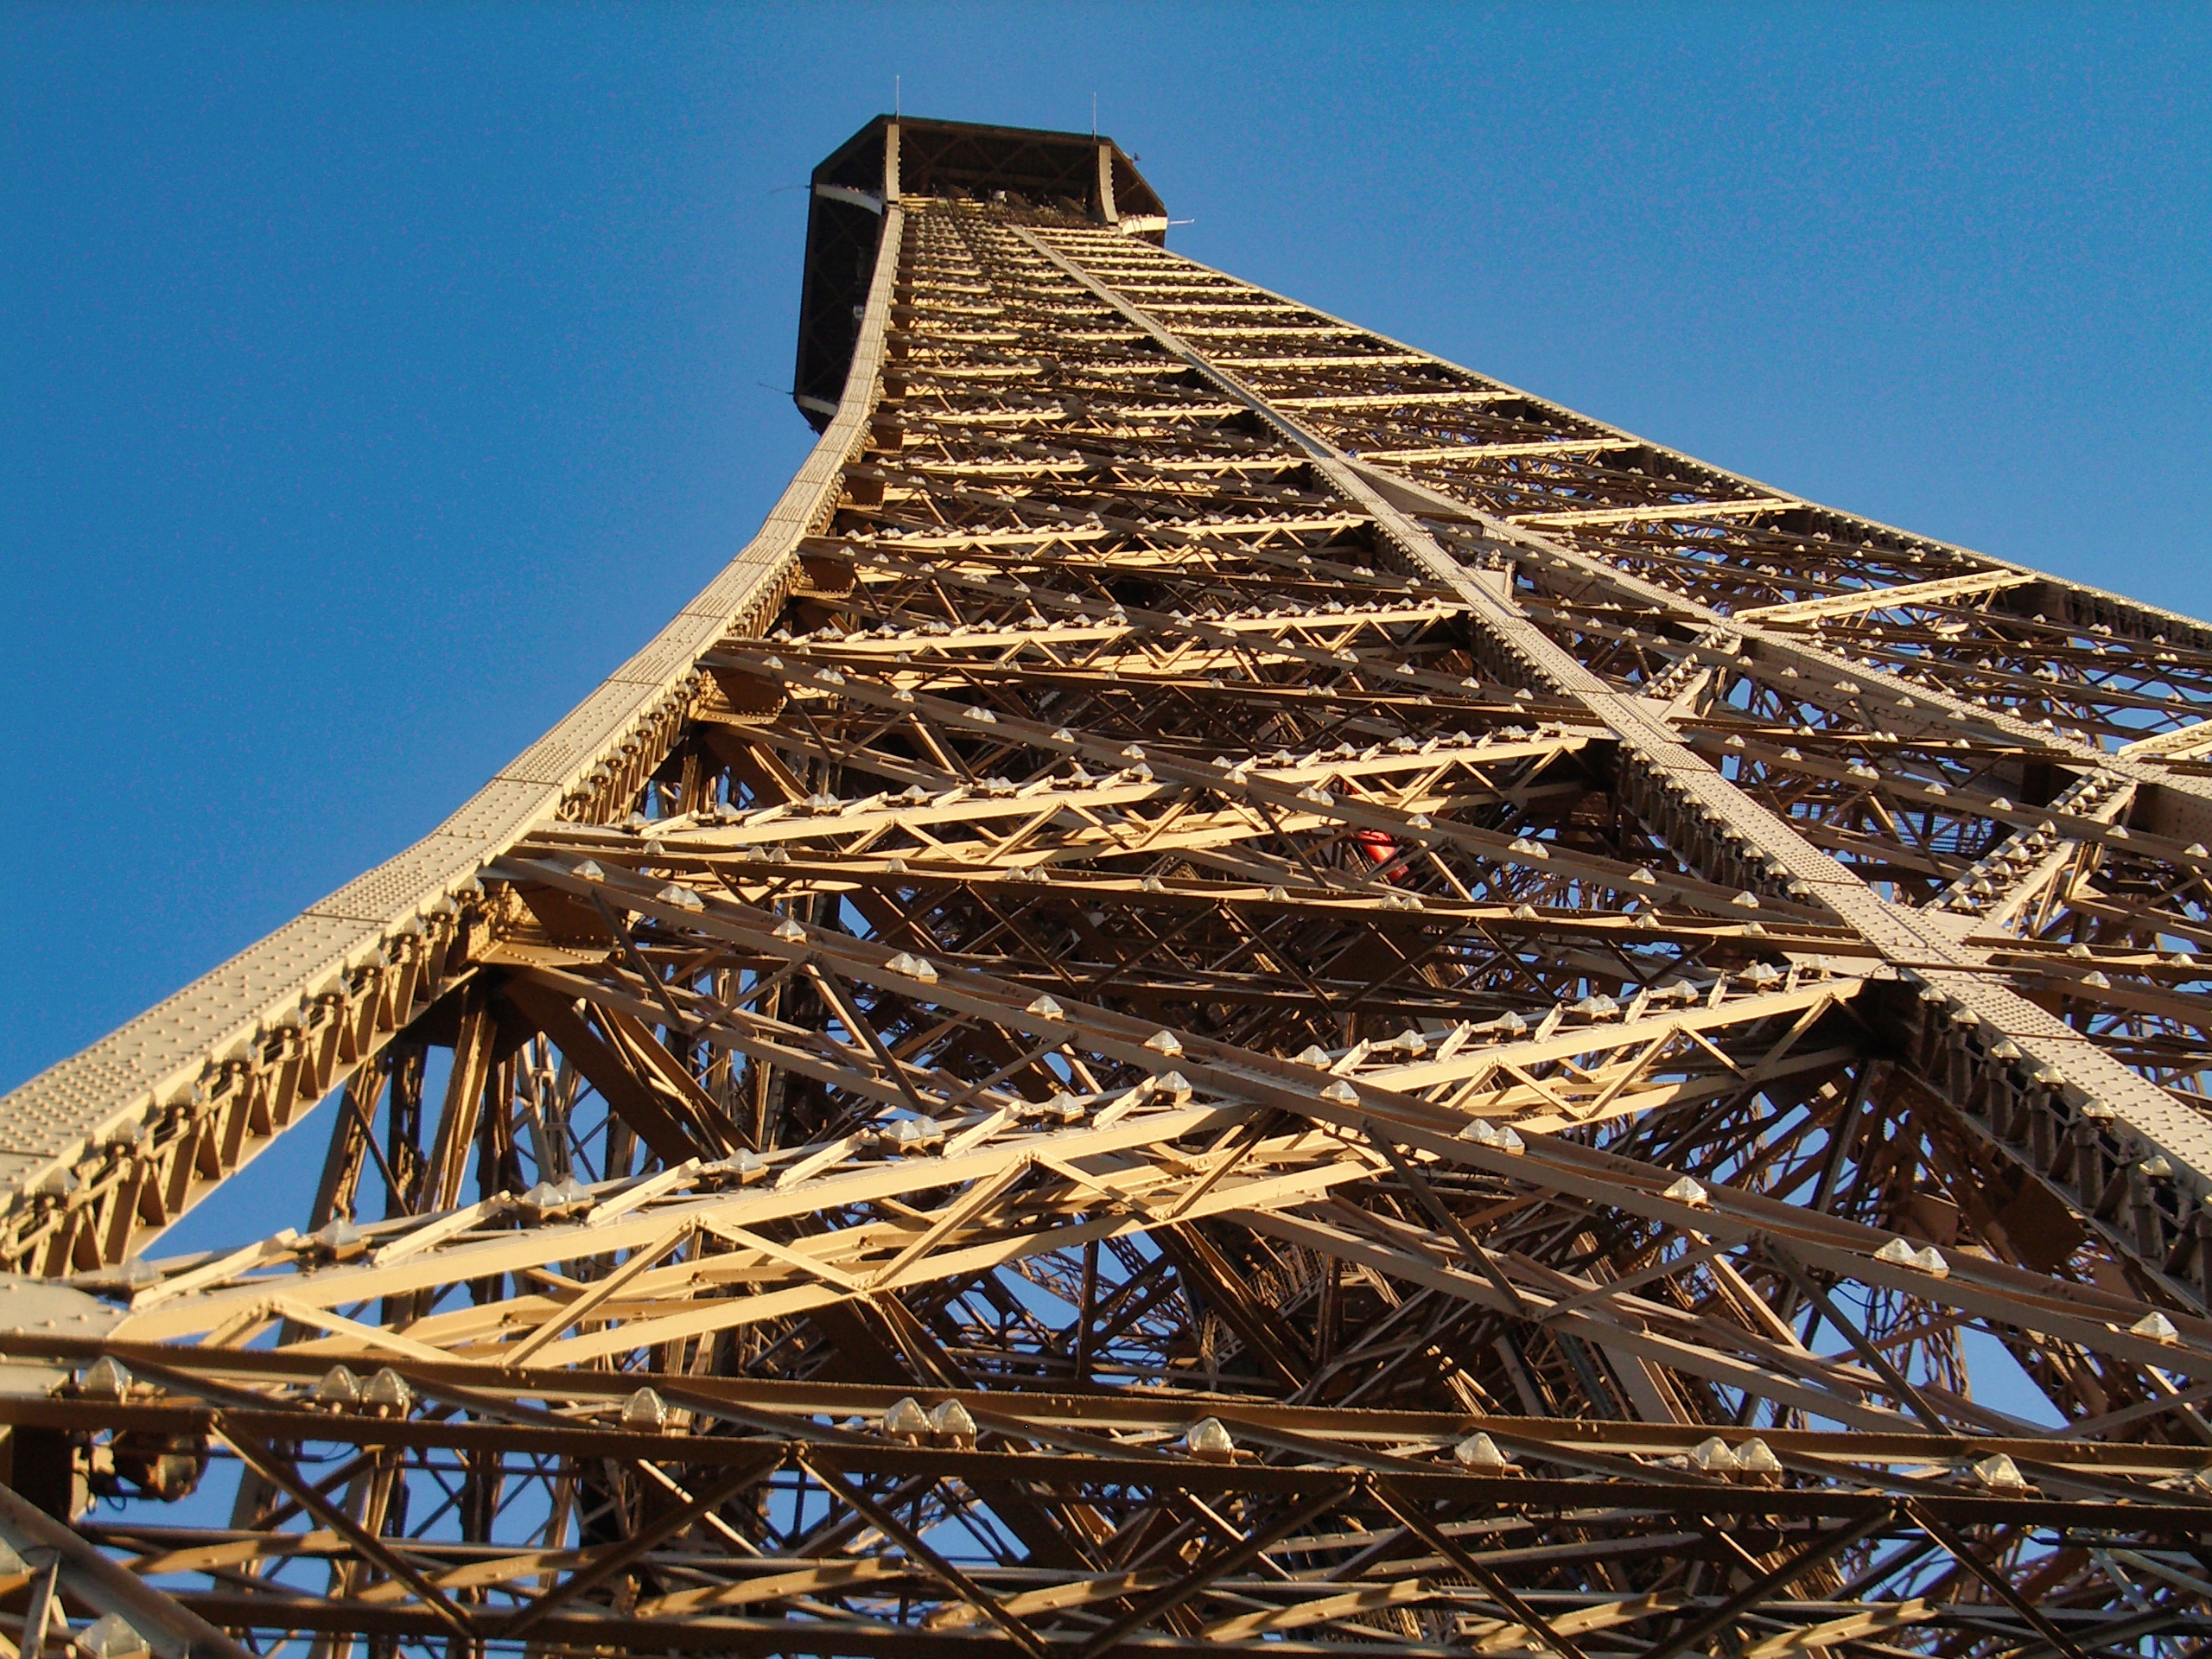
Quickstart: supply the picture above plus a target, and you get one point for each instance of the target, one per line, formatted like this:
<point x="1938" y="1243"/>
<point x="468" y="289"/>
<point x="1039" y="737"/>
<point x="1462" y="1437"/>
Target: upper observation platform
<point x="1084" y="177"/>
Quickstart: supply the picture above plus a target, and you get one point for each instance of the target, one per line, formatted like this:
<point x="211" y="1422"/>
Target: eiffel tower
<point x="1236" y="989"/>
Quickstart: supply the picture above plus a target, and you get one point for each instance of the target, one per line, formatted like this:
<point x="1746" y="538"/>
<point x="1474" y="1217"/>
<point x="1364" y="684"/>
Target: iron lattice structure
<point x="1236" y="989"/>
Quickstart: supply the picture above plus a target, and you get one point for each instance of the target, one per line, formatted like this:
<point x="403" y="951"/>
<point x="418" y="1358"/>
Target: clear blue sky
<point x="373" y="379"/>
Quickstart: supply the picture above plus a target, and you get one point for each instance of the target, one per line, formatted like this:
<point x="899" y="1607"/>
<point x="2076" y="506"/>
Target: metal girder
<point x="1236" y="990"/>
<point x="2150" y="1125"/>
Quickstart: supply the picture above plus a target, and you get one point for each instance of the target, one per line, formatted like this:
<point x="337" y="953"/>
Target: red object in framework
<point x="1378" y="847"/>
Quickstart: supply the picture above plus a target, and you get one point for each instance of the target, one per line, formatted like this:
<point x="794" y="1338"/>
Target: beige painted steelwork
<point x="1236" y="989"/>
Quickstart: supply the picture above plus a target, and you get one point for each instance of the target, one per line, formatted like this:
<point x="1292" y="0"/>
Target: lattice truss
<point x="1272" y="997"/>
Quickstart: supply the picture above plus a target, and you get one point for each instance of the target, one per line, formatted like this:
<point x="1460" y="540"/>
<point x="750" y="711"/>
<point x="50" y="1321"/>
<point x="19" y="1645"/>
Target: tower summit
<point x="1237" y="989"/>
